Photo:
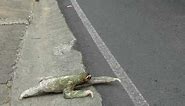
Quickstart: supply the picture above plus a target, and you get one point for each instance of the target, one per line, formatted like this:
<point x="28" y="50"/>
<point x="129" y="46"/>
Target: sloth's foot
<point x="117" y="79"/>
<point x="90" y="93"/>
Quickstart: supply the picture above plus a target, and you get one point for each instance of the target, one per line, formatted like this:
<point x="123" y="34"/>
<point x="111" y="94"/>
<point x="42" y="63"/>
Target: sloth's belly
<point x="52" y="85"/>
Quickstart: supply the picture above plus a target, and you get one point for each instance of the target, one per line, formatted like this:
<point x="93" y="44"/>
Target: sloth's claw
<point x="117" y="79"/>
<point x="89" y="92"/>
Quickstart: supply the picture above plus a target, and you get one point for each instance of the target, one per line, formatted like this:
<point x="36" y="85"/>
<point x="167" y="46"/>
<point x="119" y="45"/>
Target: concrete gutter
<point x="47" y="50"/>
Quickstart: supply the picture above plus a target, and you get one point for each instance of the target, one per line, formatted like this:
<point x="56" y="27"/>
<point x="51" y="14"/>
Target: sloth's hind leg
<point x="34" y="91"/>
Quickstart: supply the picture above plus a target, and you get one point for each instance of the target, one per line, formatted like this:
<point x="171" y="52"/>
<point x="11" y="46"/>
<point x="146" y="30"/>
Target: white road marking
<point x="126" y="82"/>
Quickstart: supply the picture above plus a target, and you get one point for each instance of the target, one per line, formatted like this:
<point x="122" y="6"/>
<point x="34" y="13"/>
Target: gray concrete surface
<point x="15" y="11"/>
<point x="47" y="49"/>
<point x="4" y="92"/>
<point x="14" y="16"/>
<point x="10" y="37"/>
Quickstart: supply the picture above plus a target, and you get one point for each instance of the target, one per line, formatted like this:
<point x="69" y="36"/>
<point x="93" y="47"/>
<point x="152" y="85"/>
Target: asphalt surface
<point x="147" y="39"/>
<point x="113" y="94"/>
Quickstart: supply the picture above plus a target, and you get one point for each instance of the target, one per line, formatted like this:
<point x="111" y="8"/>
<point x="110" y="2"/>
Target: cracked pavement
<point x="14" y="17"/>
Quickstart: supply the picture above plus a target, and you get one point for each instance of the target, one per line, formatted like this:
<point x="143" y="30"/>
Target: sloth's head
<point x="85" y="76"/>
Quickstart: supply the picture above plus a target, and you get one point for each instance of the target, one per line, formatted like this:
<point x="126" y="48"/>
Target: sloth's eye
<point x="88" y="77"/>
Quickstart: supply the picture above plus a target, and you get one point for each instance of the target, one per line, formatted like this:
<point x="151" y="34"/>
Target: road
<point x="147" y="39"/>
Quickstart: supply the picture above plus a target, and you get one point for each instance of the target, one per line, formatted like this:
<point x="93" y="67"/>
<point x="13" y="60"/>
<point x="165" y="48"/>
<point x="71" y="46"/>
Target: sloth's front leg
<point x="103" y="79"/>
<point x="98" y="80"/>
<point x="70" y="93"/>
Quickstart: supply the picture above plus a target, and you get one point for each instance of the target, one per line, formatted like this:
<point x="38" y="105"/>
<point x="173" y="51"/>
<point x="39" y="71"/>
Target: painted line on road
<point x="126" y="82"/>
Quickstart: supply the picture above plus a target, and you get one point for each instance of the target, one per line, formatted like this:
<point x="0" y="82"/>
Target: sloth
<point x="67" y="85"/>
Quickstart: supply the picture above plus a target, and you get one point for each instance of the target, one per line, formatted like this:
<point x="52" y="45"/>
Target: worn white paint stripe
<point x="126" y="82"/>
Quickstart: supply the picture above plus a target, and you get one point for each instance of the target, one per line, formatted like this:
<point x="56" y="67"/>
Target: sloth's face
<point x="85" y="77"/>
<point x="88" y="77"/>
